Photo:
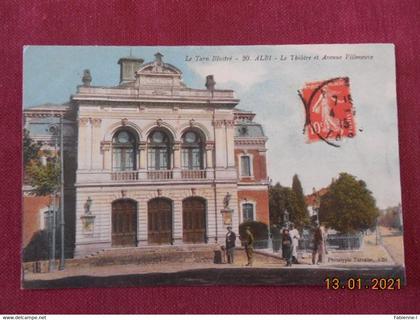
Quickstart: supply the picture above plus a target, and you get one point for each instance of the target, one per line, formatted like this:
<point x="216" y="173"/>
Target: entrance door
<point x="124" y="223"/>
<point x="159" y="213"/>
<point x="194" y="220"/>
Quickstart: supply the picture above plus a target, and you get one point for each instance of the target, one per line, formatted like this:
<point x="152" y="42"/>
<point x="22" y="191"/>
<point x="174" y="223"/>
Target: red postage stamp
<point x="329" y="110"/>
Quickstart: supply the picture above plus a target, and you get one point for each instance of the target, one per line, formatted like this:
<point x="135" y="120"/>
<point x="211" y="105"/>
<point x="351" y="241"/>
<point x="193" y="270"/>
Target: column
<point x="220" y="143"/>
<point x="96" y="132"/>
<point x="142" y="164"/>
<point x="230" y="146"/>
<point x="209" y="154"/>
<point x="177" y="231"/>
<point x="177" y="155"/>
<point x="142" y="222"/>
<point x="106" y="155"/>
<point x="83" y="160"/>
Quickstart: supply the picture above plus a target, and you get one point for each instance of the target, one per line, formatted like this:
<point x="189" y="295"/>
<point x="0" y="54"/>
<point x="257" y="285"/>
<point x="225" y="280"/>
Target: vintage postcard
<point x="211" y="165"/>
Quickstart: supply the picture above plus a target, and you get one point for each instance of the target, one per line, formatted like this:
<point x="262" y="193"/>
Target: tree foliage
<point x="285" y="198"/>
<point x="44" y="178"/>
<point x="348" y="206"/>
<point x="391" y="218"/>
<point x="300" y="213"/>
<point x="30" y="148"/>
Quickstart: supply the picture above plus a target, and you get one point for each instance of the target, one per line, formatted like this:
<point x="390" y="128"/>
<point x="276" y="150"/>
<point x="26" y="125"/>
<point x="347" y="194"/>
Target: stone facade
<point x="152" y="100"/>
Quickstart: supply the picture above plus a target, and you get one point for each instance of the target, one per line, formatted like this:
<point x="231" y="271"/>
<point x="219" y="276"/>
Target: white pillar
<point x="142" y="220"/>
<point x="220" y="143"/>
<point x="177" y="230"/>
<point x="96" y="155"/>
<point x="106" y="155"/>
<point x="230" y="146"/>
<point x="142" y="156"/>
<point x="83" y="160"/>
<point x="177" y="155"/>
<point x="209" y="154"/>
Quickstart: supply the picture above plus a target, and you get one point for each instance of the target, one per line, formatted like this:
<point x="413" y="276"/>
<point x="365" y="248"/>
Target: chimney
<point x="128" y="67"/>
<point x="210" y="83"/>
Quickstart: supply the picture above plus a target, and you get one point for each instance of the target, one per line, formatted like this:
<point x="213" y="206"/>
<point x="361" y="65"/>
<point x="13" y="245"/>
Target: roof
<point x="311" y="198"/>
<point x="249" y="130"/>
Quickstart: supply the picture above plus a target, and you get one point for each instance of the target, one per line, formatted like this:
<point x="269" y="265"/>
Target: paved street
<point x="268" y="269"/>
<point x="393" y="241"/>
<point x="220" y="275"/>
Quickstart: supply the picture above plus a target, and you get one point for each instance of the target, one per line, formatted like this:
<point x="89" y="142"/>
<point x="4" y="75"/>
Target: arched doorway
<point x="194" y="220"/>
<point x="124" y="223"/>
<point x="159" y="213"/>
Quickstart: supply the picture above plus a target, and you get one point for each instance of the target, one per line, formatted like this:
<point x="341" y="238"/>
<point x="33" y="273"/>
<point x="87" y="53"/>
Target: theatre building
<point x="159" y="163"/>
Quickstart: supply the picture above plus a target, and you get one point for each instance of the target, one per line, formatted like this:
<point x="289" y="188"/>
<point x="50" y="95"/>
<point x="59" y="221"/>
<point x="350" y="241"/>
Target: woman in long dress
<point x="286" y="242"/>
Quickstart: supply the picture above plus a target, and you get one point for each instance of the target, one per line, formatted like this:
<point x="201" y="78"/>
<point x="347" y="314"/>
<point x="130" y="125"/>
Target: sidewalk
<point x="394" y="243"/>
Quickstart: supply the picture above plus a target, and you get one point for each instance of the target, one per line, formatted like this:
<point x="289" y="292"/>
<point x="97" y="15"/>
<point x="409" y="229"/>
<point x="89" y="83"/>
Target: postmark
<point x="329" y="111"/>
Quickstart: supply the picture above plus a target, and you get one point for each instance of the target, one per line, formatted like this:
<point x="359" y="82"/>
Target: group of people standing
<point x="230" y="245"/>
<point x="289" y="242"/>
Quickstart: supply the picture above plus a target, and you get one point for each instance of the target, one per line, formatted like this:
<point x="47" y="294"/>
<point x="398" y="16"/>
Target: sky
<point x="268" y="88"/>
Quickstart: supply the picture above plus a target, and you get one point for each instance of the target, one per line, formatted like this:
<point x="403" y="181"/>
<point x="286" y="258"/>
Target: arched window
<point x="159" y="151"/>
<point x="124" y="151"/>
<point x="192" y="151"/>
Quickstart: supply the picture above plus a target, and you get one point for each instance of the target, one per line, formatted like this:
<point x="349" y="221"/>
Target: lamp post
<point x="62" y="255"/>
<point x="57" y="132"/>
<point x="286" y="218"/>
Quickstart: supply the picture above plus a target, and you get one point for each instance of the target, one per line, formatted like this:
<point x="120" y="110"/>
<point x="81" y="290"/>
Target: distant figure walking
<point x="230" y="245"/>
<point x="294" y="234"/>
<point x="319" y="247"/>
<point x="249" y="246"/>
<point x="286" y="247"/>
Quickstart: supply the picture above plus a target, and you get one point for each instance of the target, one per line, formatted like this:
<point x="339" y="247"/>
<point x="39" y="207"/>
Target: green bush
<point x="258" y="229"/>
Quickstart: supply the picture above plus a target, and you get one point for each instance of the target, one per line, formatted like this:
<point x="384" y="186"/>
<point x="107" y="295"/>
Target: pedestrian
<point x="319" y="250"/>
<point x="230" y="245"/>
<point x="249" y="246"/>
<point x="286" y="247"/>
<point x="294" y="234"/>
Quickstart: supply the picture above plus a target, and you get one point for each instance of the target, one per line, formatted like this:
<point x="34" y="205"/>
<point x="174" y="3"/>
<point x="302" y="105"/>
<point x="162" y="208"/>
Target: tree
<point x="348" y="206"/>
<point x="44" y="178"/>
<point x="30" y="148"/>
<point x="282" y="199"/>
<point x="300" y="213"/>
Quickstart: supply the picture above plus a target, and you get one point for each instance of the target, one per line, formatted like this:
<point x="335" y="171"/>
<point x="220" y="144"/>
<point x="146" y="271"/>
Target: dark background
<point x="205" y="23"/>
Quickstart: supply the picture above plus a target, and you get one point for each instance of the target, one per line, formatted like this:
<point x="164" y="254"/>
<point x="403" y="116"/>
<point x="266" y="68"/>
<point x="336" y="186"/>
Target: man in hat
<point x="230" y="244"/>
<point x="249" y="246"/>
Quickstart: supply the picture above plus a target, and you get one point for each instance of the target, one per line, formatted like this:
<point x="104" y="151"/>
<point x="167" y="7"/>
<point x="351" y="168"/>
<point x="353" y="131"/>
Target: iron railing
<point x="333" y="242"/>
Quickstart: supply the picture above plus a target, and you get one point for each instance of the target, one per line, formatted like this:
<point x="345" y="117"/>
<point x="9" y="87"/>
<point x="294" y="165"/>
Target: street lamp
<point x="286" y="218"/>
<point x="57" y="132"/>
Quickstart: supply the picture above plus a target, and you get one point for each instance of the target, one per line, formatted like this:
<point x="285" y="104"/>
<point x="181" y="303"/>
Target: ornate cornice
<point x="83" y="122"/>
<point x="229" y="123"/>
<point x="96" y="122"/>
<point x="218" y="123"/>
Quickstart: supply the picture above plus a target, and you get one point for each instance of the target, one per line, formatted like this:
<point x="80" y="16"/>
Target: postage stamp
<point x="329" y="110"/>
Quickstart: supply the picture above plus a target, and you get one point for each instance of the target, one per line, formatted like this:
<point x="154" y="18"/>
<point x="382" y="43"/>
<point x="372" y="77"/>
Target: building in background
<point x="158" y="163"/>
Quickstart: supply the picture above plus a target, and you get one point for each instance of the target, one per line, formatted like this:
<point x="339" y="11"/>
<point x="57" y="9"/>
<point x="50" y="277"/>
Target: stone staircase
<point x="149" y="255"/>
